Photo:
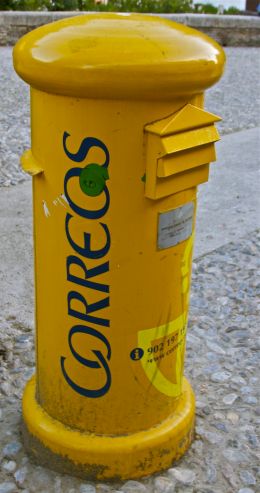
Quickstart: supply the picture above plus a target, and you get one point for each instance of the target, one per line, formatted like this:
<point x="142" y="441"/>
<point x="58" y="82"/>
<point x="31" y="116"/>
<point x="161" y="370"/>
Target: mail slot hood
<point x="178" y="150"/>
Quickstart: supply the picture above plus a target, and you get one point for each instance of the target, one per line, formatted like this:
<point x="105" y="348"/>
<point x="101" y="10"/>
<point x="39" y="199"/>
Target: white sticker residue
<point x="175" y="225"/>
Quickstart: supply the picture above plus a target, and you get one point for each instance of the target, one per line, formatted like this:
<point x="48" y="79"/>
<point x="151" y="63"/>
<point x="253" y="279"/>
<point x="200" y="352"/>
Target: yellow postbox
<point x="120" y="142"/>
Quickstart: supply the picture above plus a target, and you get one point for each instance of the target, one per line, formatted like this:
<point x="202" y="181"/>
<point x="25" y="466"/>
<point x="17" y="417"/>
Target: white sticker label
<point x="175" y="225"/>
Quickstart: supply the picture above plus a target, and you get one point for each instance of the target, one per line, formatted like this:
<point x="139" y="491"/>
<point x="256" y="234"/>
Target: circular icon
<point x="136" y="354"/>
<point x="92" y="179"/>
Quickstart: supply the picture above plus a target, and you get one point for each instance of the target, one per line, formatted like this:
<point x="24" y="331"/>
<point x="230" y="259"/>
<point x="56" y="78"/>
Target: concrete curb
<point x="228" y="30"/>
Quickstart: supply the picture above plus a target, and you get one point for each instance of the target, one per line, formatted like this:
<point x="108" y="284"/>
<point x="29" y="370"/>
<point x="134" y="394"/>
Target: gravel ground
<point x="221" y="363"/>
<point x="221" y="358"/>
<point x="235" y="99"/>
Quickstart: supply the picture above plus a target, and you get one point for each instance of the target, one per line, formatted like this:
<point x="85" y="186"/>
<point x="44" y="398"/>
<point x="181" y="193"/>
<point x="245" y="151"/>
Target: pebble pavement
<point x="222" y="345"/>
<point x="221" y="363"/>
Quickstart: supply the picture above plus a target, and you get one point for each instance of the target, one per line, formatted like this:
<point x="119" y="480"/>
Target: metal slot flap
<point x="185" y="160"/>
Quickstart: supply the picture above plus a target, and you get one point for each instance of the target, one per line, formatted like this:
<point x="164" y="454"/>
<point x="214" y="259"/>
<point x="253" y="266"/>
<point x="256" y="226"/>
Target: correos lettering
<point x="89" y="279"/>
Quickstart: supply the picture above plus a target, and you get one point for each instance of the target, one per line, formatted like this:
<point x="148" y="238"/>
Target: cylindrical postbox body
<point x="119" y="144"/>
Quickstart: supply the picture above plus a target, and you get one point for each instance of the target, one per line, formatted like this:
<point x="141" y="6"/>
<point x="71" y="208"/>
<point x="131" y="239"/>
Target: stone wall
<point x="228" y="30"/>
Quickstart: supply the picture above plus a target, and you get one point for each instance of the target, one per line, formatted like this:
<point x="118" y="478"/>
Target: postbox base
<point x="96" y="457"/>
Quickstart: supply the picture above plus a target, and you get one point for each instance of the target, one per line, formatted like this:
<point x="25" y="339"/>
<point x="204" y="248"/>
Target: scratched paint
<point x="45" y="208"/>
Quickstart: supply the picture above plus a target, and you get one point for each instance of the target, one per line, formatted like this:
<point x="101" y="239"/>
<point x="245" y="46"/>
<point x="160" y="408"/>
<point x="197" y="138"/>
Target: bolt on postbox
<point x="120" y="143"/>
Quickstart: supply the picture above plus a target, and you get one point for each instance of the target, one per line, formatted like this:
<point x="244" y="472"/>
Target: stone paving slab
<point x="229" y="203"/>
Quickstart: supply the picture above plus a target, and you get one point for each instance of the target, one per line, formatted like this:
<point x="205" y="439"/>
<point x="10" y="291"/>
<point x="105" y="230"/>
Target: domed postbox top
<point x="118" y="56"/>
